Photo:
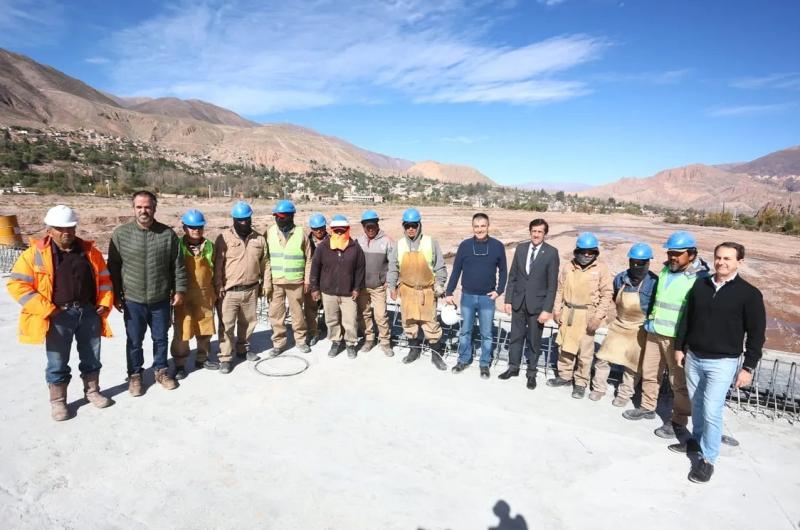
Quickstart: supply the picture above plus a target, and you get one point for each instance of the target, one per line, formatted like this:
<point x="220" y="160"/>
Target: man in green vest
<point x="417" y="274"/>
<point x="677" y="277"/>
<point x="286" y="277"/>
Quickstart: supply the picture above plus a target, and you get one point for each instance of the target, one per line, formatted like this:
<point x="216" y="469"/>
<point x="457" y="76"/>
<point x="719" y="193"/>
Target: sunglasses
<point x="676" y="253"/>
<point x="193" y="227"/>
<point x="339" y="230"/>
<point x="410" y="225"/>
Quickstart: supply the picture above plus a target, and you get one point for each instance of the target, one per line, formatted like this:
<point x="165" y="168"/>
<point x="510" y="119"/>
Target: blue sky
<point x="526" y="91"/>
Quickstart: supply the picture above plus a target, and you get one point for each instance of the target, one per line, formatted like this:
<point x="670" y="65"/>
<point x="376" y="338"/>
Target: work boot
<point x="509" y="373"/>
<point x="276" y="350"/>
<point x="531" y="384"/>
<point x="485" y="372"/>
<point x="351" y="352"/>
<point x="207" y="364"/>
<point x="313" y="340"/>
<point x="303" y="348"/>
<point x="135" y="385"/>
<point x="387" y="350"/>
<point x="578" y="392"/>
<point x="594" y="395"/>
<point x="690" y="447"/>
<point x="701" y="473"/>
<point x="225" y="367"/>
<point x="91" y="389"/>
<point x="367" y="346"/>
<point x="558" y="381"/>
<point x="336" y="348"/>
<point x="413" y="352"/>
<point x="163" y="378"/>
<point x="252" y="357"/>
<point x="241" y="355"/>
<point x="619" y="401"/>
<point x="437" y="350"/>
<point x="180" y="373"/>
<point x="639" y="413"/>
<point x="459" y="367"/>
<point x="671" y="430"/>
<point x="58" y="401"/>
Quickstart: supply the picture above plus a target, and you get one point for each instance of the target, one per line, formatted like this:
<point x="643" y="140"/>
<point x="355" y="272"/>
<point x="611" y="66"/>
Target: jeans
<point x="137" y="318"/>
<point x="708" y="381"/>
<point x="484" y="306"/>
<point x="85" y="326"/>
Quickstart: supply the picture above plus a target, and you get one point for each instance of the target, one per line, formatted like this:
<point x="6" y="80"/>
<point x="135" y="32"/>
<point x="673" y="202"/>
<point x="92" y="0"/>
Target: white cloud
<point x="97" y="60"/>
<point x="749" y="110"/>
<point x="257" y="57"/>
<point x="30" y="22"/>
<point x="789" y="81"/>
<point x="667" y="77"/>
<point x="463" y="139"/>
<point x="550" y="3"/>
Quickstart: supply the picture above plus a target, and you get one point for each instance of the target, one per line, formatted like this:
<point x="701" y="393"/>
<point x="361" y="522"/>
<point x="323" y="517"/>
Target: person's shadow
<point x="503" y="511"/>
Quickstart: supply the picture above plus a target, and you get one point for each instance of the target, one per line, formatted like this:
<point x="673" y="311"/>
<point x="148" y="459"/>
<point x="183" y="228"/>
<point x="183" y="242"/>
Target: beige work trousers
<point x="180" y="350"/>
<point x="311" y="312"/>
<point x="341" y="309"/>
<point x="237" y="315"/>
<point x="277" y="314"/>
<point x="430" y="328"/>
<point x="372" y="306"/>
<point x="600" y="380"/>
<point x="583" y="358"/>
<point x="658" y="351"/>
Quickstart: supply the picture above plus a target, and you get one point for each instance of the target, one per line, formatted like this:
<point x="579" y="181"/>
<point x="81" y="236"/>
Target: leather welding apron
<point x="574" y="317"/>
<point x="626" y="335"/>
<point x="417" y="300"/>
<point x="196" y="315"/>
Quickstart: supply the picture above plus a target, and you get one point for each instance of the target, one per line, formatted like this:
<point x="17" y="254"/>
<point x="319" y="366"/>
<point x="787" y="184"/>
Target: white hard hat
<point x="449" y="315"/>
<point x="61" y="217"/>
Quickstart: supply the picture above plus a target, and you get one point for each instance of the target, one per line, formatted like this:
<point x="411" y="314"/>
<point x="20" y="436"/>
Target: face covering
<point x="637" y="270"/>
<point x="243" y="227"/>
<point x="285" y="224"/>
<point x="340" y="241"/>
<point x="584" y="260"/>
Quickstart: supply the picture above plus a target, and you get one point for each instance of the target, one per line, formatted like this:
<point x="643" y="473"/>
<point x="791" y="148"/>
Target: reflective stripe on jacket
<point x="287" y="262"/>
<point x="31" y="285"/>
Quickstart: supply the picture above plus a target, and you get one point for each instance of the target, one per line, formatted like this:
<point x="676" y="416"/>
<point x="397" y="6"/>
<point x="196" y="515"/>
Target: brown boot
<point x="58" y="401"/>
<point x="135" y="386"/>
<point x="164" y="379"/>
<point x="91" y="389"/>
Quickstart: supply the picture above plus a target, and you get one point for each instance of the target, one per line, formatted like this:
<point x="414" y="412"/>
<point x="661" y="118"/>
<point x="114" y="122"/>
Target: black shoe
<point x="224" y="368"/>
<point x="671" y="430"/>
<point x="460" y="367"/>
<point x="531" y="382"/>
<point x="313" y="340"/>
<point x="241" y="355"/>
<point x="578" y="392"/>
<point x="414" y="349"/>
<point x="180" y="373"/>
<point x="509" y="373"/>
<point x="639" y="413"/>
<point x="436" y="355"/>
<point x="690" y="447"/>
<point x="351" y="352"/>
<point x="701" y="473"/>
<point x="484" y="372"/>
<point x="336" y="348"/>
<point x="208" y="365"/>
<point x="558" y="381"/>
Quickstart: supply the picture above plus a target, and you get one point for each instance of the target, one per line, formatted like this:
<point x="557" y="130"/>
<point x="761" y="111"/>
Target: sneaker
<point x="163" y="378"/>
<point x="304" y="348"/>
<point x="207" y="364"/>
<point x="351" y="352"/>
<point x="313" y="340"/>
<point x="253" y="357"/>
<point x="224" y="367"/>
<point x="578" y="392"/>
<point x="180" y="373"/>
<point x="335" y="349"/>
<point x="619" y="401"/>
<point x="701" y="473"/>
<point x="484" y="372"/>
<point x="459" y="367"/>
<point x="690" y="447"/>
<point x="387" y="350"/>
<point x="558" y="381"/>
<point x="639" y="413"/>
<point x="671" y="430"/>
<point x="275" y="351"/>
<point x="367" y="346"/>
<point x="594" y="395"/>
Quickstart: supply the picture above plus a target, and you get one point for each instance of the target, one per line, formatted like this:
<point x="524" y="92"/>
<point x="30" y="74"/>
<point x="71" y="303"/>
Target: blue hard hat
<point x="640" y="251"/>
<point x="412" y="216"/>
<point x="193" y="218"/>
<point x="369" y="215"/>
<point x="680" y="240"/>
<point x="339" y="220"/>
<point x="587" y="240"/>
<point x="317" y="220"/>
<point x="284" y="206"/>
<point x="241" y="210"/>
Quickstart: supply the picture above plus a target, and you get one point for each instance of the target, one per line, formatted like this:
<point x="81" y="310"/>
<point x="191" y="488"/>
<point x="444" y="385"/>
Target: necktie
<point x="533" y="256"/>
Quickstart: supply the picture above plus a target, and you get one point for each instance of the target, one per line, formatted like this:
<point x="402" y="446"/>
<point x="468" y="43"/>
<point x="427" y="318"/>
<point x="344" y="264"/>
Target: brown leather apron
<point x="196" y="315"/>
<point x="626" y="335"/>
<point x="417" y="299"/>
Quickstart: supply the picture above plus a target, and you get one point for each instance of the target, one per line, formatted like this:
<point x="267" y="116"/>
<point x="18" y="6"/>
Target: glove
<point x="267" y="293"/>
<point x="648" y="326"/>
<point x="438" y="290"/>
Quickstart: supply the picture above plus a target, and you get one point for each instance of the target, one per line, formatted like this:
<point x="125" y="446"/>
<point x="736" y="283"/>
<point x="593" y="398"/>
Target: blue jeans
<point x="137" y="318"/>
<point x="484" y="306"/>
<point x="83" y="324"/>
<point x="708" y="381"/>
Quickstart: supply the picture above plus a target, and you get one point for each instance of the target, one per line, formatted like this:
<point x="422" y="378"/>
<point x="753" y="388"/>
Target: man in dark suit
<point x="531" y="291"/>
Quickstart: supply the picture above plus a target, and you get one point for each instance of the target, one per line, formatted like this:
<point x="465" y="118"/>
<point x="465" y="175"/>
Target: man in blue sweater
<point x="481" y="260"/>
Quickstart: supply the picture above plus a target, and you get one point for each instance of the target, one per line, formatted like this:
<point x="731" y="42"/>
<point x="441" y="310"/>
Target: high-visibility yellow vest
<point x="287" y="262"/>
<point x="670" y="302"/>
<point x="425" y="246"/>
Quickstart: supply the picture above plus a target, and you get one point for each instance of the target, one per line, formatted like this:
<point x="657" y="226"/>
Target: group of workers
<point x="685" y="318"/>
